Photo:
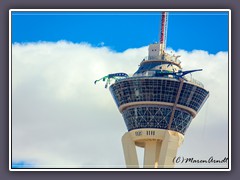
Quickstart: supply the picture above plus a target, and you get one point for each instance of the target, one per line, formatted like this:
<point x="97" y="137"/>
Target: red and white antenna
<point x="163" y="34"/>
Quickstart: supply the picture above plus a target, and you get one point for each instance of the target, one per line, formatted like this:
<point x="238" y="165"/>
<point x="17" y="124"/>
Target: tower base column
<point x="151" y="154"/>
<point x="170" y="144"/>
<point x="160" y="147"/>
<point x="130" y="152"/>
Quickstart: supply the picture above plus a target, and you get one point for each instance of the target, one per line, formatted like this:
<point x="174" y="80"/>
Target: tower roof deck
<point x="162" y="58"/>
<point x="188" y="79"/>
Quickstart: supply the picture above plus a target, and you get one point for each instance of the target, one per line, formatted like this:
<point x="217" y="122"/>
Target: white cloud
<point x="61" y="119"/>
<point x="208" y="133"/>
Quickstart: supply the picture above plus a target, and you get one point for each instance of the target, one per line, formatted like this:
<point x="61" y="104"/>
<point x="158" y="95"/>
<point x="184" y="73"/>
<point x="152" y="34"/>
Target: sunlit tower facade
<point x="158" y="104"/>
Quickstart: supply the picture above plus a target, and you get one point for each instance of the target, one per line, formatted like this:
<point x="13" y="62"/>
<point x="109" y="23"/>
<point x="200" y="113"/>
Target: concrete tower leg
<point x="170" y="144"/>
<point x="151" y="154"/>
<point x="130" y="152"/>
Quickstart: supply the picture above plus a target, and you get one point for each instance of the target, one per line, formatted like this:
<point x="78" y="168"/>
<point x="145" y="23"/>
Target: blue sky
<point x="21" y="164"/>
<point x="122" y="30"/>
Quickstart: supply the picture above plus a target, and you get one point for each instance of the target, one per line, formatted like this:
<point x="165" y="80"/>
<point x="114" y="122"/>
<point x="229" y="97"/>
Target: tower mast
<point x="163" y="34"/>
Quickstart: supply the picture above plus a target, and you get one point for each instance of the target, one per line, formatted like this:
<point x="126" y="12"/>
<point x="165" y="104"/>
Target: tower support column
<point x="160" y="147"/>
<point x="151" y="154"/>
<point x="170" y="144"/>
<point x="129" y="150"/>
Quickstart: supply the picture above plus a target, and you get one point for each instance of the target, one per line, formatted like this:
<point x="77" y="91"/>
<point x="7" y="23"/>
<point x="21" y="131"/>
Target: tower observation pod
<point x="158" y="104"/>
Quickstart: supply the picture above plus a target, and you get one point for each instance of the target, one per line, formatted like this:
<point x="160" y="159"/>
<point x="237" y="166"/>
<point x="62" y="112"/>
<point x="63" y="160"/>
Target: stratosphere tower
<point x="157" y="103"/>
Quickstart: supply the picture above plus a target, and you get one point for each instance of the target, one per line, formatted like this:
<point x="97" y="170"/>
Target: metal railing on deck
<point x="165" y="57"/>
<point x="188" y="78"/>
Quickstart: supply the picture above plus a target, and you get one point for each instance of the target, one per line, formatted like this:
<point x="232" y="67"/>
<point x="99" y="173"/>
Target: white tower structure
<point x="158" y="104"/>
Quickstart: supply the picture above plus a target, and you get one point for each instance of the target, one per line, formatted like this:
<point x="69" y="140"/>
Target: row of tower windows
<point x="146" y="117"/>
<point x="159" y="90"/>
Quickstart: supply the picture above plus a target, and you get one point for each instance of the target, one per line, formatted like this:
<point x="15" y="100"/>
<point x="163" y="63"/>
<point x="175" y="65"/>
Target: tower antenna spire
<point x="163" y="32"/>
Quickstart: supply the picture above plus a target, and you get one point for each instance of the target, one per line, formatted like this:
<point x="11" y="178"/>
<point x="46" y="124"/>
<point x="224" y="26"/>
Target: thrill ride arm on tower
<point x="177" y="75"/>
<point x="109" y="77"/>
